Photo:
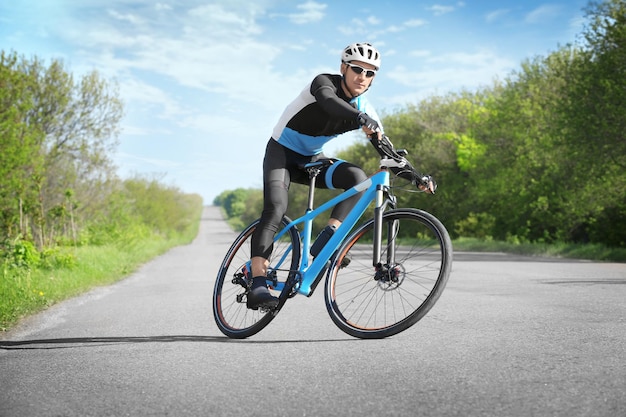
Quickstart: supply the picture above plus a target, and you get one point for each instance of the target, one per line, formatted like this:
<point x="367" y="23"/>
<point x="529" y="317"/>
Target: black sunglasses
<point x="369" y="73"/>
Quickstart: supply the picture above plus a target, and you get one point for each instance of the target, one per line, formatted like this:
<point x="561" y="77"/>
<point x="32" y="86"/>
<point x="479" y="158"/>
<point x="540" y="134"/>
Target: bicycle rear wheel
<point x="371" y="302"/>
<point x="231" y="315"/>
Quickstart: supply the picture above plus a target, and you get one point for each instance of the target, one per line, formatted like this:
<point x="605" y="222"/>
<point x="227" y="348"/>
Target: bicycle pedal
<point x="264" y="308"/>
<point x="240" y="279"/>
<point x="267" y="309"/>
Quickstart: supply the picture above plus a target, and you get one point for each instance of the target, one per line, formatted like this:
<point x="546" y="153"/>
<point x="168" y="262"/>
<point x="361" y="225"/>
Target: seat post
<point x="313" y="172"/>
<point x="314" y="169"/>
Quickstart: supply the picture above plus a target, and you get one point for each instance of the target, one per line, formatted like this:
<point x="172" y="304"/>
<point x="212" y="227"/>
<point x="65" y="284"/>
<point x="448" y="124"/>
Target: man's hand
<point x="368" y="123"/>
<point x="427" y="184"/>
<point x="371" y="134"/>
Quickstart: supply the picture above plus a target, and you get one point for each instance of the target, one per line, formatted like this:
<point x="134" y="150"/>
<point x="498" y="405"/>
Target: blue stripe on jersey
<point x="303" y="144"/>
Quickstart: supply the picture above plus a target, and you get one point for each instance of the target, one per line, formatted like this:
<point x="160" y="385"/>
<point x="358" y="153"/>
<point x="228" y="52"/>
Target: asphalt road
<point x="511" y="336"/>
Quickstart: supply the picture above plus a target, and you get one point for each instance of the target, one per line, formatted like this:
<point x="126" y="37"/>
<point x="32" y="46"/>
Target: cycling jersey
<point x="321" y="112"/>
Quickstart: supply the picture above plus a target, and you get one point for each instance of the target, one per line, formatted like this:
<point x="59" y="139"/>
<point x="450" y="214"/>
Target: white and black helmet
<point x="363" y="52"/>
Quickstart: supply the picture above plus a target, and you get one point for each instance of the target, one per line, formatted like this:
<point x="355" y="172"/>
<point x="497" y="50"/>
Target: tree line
<point x="537" y="157"/>
<point x="58" y="184"/>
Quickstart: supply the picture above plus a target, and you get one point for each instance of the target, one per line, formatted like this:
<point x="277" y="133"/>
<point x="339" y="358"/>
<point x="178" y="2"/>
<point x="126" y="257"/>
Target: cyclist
<point x="330" y="105"/>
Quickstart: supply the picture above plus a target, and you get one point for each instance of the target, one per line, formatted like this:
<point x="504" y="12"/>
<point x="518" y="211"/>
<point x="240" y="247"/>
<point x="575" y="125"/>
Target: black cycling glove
<point x="368" y="122"/>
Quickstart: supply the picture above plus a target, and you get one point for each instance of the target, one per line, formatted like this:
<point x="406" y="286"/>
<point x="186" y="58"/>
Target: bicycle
<point x="381" y="278"/>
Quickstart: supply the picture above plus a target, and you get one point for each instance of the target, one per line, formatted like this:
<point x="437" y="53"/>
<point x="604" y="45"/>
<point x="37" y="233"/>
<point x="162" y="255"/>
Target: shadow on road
<point x="78" y="342"/>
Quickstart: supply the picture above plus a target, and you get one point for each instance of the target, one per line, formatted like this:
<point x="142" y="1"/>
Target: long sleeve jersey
<point x="321" y="112"/>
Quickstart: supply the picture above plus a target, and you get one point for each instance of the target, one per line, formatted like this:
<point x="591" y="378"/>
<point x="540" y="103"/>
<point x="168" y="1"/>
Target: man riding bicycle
<point x="330" y="105"/>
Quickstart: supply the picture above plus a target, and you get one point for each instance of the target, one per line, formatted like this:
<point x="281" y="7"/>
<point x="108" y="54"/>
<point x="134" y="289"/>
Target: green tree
<point x="59" y="136"/>
<point x="594" y="117"/>
<point x="241" y="206"/>
<point x="21" y="157"/>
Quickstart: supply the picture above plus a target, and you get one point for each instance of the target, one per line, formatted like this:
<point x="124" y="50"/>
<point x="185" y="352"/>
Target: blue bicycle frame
<point x="373" y="189"/>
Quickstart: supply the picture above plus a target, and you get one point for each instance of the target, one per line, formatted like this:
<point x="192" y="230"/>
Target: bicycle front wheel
<point x="232" y="316"/>
<point x="376" y="301"/>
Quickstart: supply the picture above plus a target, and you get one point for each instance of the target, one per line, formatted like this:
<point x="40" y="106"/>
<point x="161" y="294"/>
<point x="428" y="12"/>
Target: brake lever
<point x="428" y="184"/>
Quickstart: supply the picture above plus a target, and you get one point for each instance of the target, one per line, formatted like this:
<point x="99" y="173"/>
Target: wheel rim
<point x="365" y="300"/>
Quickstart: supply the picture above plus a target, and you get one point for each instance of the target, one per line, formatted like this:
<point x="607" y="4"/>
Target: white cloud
<point x="542" y="13"/>
<point x="439" y="9"/>
<point x="310" y="12"/>
<point x="496" y="15"/>
<point x="209" y="48"/>
<point x="161" y="6"/>
<point x="449" y="72"/>
<point x="357" y="27"/>
<point x="415" y="23"/>
<point x="130" y="18"/>
<point x="150" y="96"/>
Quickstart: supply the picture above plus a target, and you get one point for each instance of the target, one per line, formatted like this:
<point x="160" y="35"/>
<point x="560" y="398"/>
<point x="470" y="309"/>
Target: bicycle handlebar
<point x="402" y="167"/>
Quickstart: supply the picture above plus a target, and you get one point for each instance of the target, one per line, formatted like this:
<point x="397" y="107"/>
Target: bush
<point x="479" y="225"/>
<point x="20" y="253"/>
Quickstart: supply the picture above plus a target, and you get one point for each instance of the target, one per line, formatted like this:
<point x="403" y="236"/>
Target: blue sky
<point x="204" y="82"/>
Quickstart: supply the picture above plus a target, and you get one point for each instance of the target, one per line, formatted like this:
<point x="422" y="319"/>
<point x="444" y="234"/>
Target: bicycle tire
<point x="370" y="306"/>
<point x="231" y="315"/>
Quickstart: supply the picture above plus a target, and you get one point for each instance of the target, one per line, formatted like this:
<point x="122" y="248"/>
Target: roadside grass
<point x="592" y="252"/>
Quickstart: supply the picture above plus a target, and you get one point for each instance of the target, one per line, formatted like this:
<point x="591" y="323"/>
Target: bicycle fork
<point x="387" y="271"/>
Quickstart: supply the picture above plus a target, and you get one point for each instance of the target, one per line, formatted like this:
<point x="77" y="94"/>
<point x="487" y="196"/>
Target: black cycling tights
<point x="280" y="168"/>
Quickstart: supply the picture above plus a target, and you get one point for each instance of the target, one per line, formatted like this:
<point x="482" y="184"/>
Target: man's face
<point x="358" y="83"/>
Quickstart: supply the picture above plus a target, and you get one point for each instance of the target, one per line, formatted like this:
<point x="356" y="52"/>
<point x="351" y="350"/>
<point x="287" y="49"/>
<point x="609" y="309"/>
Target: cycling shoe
<point x="260" y="296"/>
